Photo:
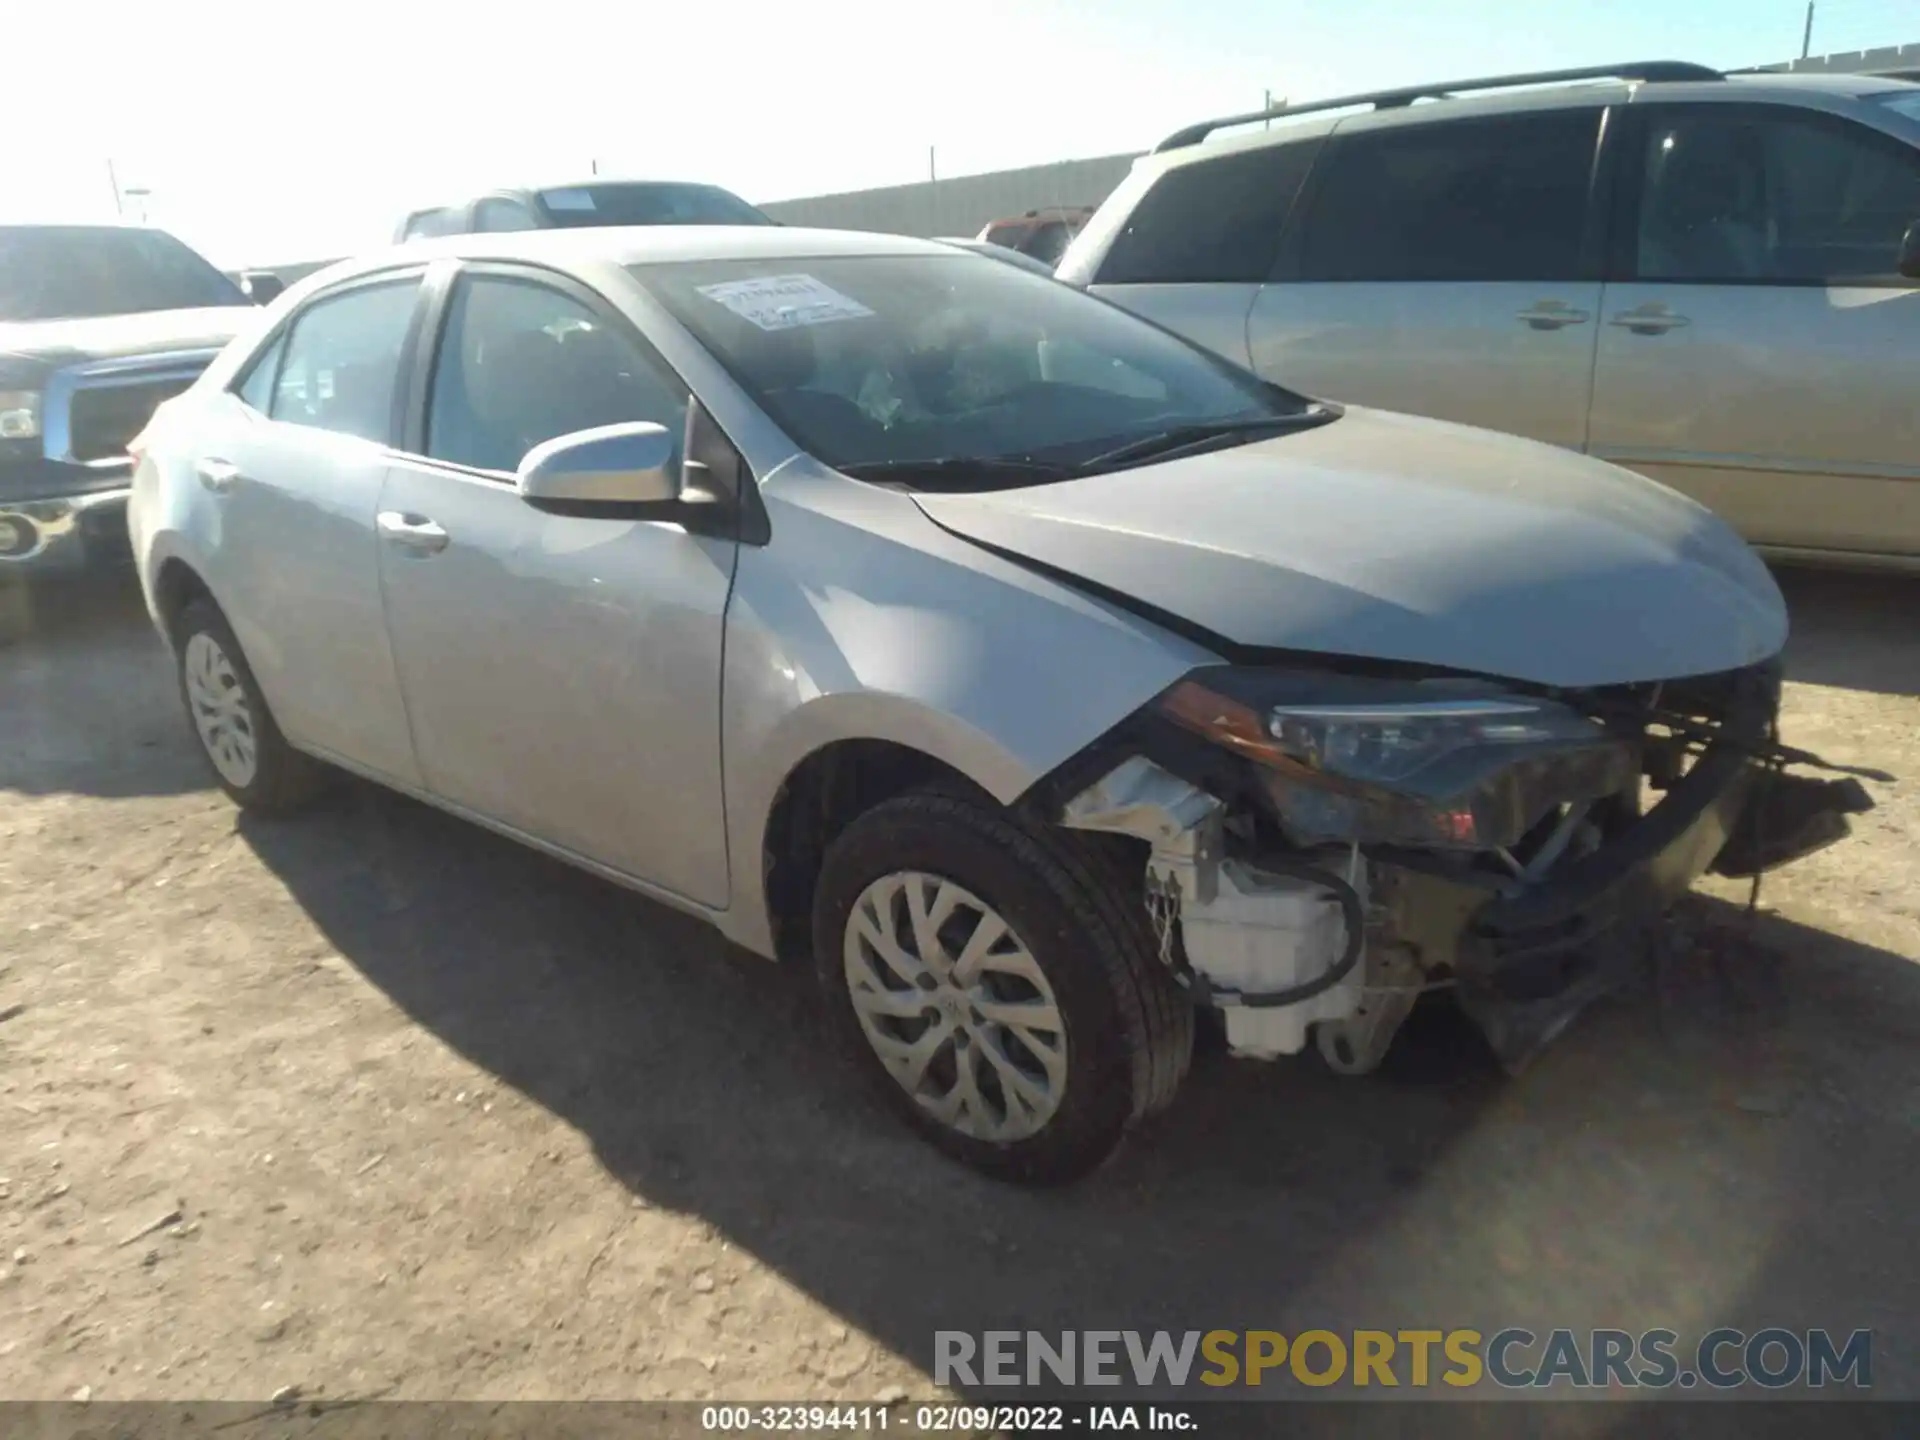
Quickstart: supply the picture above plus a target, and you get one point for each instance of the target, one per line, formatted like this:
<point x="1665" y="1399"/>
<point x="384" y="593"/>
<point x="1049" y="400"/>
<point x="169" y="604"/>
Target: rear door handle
<point x="217" y="475"/>
<point x="1652" y="318"/>
<point x="1552" y="315"/>
<point x="411" y="532"/>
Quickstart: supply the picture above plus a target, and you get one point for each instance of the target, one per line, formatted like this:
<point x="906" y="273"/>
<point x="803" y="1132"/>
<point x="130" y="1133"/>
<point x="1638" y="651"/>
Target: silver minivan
<point x="1714" y="280"/>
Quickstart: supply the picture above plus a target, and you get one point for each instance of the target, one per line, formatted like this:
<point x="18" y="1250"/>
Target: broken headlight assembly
<point x="1434" y="764"/>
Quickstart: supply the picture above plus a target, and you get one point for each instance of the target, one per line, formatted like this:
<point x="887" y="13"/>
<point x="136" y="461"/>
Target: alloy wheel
<point x="221" y="715"/>
<point x="955" y="1006"/>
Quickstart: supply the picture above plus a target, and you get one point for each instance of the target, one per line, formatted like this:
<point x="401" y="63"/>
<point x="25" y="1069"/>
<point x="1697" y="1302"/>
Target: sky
<point x="273" y="131"/>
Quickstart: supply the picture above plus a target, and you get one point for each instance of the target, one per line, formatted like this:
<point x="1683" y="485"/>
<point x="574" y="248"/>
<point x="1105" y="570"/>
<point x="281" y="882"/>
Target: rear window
<point x="1901" y="102"/>
<point x="649" y="203"/>
<point x="1215" y="220"/>
<point x="430" y="223"/>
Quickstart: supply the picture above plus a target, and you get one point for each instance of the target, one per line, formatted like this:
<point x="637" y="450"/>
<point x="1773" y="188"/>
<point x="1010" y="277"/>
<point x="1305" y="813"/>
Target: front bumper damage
<point x="1333" y="944"/>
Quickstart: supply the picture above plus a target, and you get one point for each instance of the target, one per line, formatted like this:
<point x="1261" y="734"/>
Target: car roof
<point x="1753" y="85"/>
<point x="636" y="245"/>
<point x="528" y="191"/>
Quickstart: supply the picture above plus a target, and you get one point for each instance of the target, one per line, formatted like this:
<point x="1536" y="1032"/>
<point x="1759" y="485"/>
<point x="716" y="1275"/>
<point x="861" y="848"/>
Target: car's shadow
<point x="1852" y="630"/>
<point x="1701" y="1150"/>
<point x="88" y="703"/>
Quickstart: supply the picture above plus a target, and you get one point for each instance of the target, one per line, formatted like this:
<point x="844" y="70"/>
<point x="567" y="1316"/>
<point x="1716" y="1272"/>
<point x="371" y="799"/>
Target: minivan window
<point x="1464" y="200"/>
<point x="1755" y="196"/>
<point x="1216" y="220"/>
<point x="343" y="359"/>
<point x="522" y="363"/>
<point x="896" y="359"/>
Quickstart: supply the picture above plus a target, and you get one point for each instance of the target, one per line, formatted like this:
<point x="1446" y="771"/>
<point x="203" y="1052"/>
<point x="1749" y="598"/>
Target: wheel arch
<point x="866" y="751"/>
<point x="176" y="585"/>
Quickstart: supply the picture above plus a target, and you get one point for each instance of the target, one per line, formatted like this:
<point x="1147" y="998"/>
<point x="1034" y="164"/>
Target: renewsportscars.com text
<point x="1513" y="1358"/>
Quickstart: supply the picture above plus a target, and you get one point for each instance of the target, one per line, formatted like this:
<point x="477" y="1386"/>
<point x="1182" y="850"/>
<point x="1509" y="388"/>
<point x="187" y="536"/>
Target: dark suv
<point x="98" y="325"/>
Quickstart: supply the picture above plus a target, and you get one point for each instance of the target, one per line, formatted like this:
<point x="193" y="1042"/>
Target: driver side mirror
<point x="622" y="471"/>
<point x="262" y="287"/>
<point x="1909" y="264"/>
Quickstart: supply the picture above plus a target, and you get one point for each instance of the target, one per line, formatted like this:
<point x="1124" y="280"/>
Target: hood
<point x="111" y="337"/>
<point x="1391" y="538"/>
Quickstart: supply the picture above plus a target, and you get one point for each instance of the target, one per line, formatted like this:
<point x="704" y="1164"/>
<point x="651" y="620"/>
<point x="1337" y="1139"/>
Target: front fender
<point x="865" y="620"/>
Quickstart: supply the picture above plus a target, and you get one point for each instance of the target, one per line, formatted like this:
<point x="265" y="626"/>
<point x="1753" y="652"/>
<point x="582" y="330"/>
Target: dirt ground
<point x="427" y="1115"/>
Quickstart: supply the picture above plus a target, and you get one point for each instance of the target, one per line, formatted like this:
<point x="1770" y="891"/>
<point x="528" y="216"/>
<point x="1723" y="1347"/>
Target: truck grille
<point x="104" y="419"/>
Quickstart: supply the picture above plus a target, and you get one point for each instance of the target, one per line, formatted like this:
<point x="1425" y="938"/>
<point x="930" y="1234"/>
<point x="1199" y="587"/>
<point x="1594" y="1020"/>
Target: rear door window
<point x="1486" y="199"/>
<point x="255" y="387"/>
<point x="342" y="360"/>
<point x="1215" y="220"/>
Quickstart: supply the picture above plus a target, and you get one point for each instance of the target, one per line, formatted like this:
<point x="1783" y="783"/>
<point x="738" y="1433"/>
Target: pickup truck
<point x="98" y="325"/>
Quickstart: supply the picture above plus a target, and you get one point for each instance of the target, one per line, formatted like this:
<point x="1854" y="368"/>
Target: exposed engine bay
<point x="1323" y="848"/>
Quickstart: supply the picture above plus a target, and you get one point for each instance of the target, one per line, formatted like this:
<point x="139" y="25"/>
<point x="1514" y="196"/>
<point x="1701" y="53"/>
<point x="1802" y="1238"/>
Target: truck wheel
<point x="997" y="984"/>
<point x="250" y="757"/>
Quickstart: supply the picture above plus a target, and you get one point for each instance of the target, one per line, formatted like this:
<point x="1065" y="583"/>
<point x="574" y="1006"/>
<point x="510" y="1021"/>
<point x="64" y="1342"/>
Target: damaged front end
<point x="1324" y="847"/>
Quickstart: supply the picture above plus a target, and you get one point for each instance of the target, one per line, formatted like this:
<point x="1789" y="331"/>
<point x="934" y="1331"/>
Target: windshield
<point x="901" y="359"/>
<point x="647" y="204"/>
<point x="58" y="272"/>
<point x="1904" y="102"/>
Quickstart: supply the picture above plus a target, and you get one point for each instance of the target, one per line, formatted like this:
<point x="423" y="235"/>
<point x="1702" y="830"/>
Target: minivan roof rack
<point x="1648" y="70"/>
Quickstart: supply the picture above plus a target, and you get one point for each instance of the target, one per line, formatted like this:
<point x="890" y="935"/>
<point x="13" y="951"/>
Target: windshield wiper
<point x="959" y="472"/>
<point x="1166" y="444"/>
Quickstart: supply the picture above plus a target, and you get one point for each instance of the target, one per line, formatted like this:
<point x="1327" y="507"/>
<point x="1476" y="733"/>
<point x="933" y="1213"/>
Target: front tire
<point x="250" y="758"/>
<point x="997" y="984"/>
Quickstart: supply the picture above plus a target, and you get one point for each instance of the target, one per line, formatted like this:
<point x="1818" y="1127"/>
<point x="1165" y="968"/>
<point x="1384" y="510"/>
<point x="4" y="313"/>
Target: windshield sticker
<point x="567" y="199"/>
<point x="785" y="302"/>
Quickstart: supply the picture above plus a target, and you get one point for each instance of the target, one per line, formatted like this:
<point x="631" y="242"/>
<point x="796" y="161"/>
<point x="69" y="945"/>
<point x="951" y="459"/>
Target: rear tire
<point x="250" y="758"/>
<point x="1067" y="1024"/>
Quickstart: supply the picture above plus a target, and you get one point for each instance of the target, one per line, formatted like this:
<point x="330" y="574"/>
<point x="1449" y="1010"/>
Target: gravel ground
<point x="374" y="1102"/>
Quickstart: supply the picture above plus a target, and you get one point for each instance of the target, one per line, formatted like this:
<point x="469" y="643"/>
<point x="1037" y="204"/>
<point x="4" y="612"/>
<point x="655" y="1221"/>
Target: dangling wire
<point x="1773" y="763"/>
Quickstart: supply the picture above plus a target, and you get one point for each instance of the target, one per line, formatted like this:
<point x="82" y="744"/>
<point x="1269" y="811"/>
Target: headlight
<point x="1434" y="764"/>
<point x="19" y="414"/>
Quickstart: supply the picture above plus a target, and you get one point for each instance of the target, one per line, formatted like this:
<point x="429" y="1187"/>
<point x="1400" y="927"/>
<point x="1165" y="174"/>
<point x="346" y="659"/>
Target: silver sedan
<point x="1039" y="677"/>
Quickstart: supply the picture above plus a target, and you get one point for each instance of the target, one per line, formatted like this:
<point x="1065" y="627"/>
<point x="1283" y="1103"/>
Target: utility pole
<point x="113" y="179"/>
<point x="1806" y="36"/>
<point x="594" y="166"/>
<point x="931" y="176"/>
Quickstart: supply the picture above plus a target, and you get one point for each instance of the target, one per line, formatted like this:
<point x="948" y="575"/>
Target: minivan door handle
<point x="1652" y="318"/>
<point x="1552" y="315"/>
<point x="411" y="532"/>
<point x="218" y="476"/>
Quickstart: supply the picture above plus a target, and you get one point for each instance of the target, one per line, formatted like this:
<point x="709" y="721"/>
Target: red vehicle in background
<point x="1043" y="234"/>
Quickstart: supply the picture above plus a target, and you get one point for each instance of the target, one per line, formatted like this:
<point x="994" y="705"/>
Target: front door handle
<point x="218" y="476"/>
<point x="412" y="532"/>
<point x="1552" y="315"/>
<point x="1653" y="318"/>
